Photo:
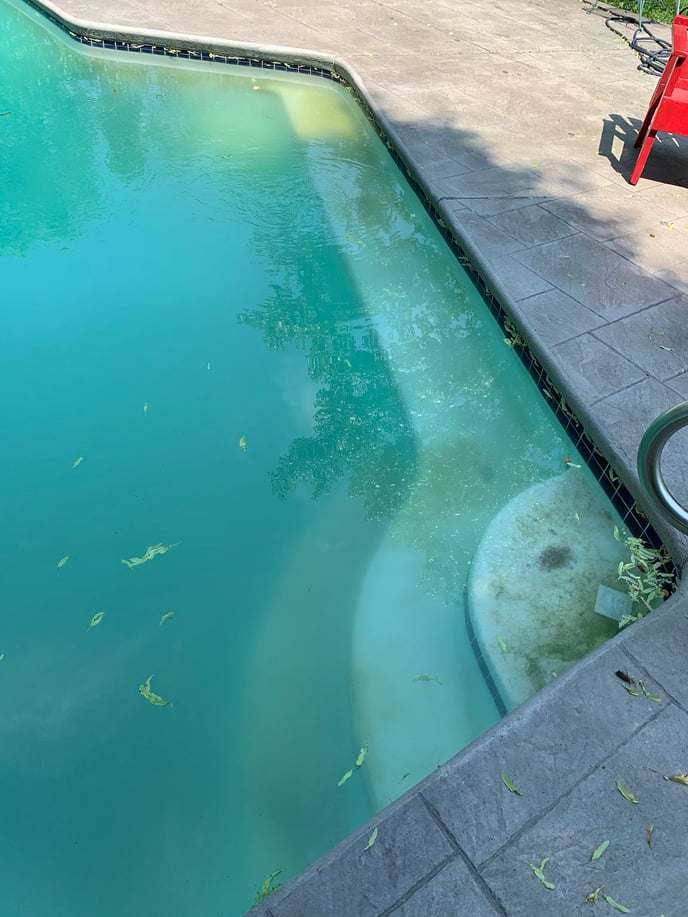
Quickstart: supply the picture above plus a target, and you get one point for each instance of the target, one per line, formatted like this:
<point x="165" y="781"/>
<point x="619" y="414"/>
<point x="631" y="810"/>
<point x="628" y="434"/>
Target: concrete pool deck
<point x="518" y="120"/>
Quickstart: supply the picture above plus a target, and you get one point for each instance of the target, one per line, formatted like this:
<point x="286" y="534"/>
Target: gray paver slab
<point x="656" y="339"/>
<point x="679" y="383"/>
<point x="676" y="275"/>
<point x="494" y="190"/>
<point x="649" y="880"/>
<point x="605" y="213"/>
<point x="491" y="241"/>
<point x="593" y="715"/>
<point x="359" y="883"/>
<point x="453" y="892"/>
<point x="454" y="109"/>
<point x="626" y="415"/>
<point x="519" y="280"/>
<point x="661" y="246"/>
<point x="593" y="369"/>
<point x="532" y="225"/>
<point x="595" y="276"/>
<point x="662" y="649"/>
<point x="669" y="191"/>
<point x="553" y="317"/>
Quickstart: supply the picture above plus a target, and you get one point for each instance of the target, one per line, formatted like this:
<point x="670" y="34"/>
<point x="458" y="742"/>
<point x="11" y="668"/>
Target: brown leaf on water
<point x="650" y="832"/>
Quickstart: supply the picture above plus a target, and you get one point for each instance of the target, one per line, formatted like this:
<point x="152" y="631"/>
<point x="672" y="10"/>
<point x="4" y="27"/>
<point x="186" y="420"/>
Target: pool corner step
<point x="533" y="584"/>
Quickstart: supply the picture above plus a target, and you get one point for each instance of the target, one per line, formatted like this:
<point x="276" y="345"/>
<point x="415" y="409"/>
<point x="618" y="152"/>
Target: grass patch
<point x="658" y="10"/>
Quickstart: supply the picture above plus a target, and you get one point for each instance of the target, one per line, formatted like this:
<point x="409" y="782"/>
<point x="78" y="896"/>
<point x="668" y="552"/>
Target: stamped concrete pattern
<point x="517" y="118"/>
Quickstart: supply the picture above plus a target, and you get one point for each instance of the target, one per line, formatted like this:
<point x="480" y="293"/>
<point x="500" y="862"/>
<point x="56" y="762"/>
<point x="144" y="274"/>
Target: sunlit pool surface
<point x="256" y="421"/>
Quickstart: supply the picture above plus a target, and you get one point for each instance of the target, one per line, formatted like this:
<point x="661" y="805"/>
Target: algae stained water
<point x="253" y="425"/>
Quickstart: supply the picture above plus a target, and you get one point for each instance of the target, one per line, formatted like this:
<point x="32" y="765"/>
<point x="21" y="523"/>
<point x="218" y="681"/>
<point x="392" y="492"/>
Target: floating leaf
<point x="166" y="617"/>
<point x="151" y="551"/>
<point x="361" y="755"/>
<point x="78" y="461"/>
<point x="425" y="677"/>
<point x="347" y="775"/>
<point x="650" y="832"/>
<point x="2" y="656"/>
<point x="599" y="850"/>
<point x="592" y="897"/>
<point x="625" y="793"/>
<point x="502" y="645"/>
<point x="242" y="444"/>
<point x="267" y="888"/>
<point x="151" y="696"/>
<point x="538" y="870"/>
<point x="371" y="840"/>
<point x="62" y="561"/>
<point x="510" y="785"/>
<point x="615" y="904"/>
<point x="145" y="407"/>
<point x="97" y="618"/>
<point x="679" y="778"/>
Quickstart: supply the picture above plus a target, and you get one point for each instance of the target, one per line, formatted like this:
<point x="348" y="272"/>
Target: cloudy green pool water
<point x="229" y="333"/>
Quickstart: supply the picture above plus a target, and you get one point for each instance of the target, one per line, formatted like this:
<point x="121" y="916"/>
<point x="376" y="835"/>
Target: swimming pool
<point x="293" y="415"/>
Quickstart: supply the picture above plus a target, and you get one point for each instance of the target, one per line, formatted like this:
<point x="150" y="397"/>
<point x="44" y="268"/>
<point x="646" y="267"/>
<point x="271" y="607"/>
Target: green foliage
<point x="647" y="575"/>
<point x="657" y="10"/>
<point x="267" y="888"/>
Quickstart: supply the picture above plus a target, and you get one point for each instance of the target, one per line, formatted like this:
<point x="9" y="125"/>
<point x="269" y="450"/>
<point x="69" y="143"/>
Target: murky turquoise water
<point x="228" y="329"/>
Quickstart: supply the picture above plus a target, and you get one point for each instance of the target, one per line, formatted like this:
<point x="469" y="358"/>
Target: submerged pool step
<point x="411" y="704"/>
<point x="534" y="582"/>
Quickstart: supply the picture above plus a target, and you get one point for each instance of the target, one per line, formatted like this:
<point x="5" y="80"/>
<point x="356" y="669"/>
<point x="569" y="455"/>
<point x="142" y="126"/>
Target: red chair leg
<point x="648" y="119"/>
<point x="654" y="101"/>
<point x="642" y="156"/>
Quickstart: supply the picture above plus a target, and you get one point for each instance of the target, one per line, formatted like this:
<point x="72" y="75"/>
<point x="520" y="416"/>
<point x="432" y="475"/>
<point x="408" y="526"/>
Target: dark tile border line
<point x="212" y="57"/>
<point x="197" y="54"/>
<point x="495" y="693"/>
<point x="621" y="498"/>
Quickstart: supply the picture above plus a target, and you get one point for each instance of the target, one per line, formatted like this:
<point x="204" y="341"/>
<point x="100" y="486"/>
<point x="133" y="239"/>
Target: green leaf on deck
<point x="371" y="840"/>
<point x="538" y="870"/>
<point x="510" y="785"/>
<point x="615" y="904"/>
<point x="626" y="793"/>
<point x="599" y="850"/>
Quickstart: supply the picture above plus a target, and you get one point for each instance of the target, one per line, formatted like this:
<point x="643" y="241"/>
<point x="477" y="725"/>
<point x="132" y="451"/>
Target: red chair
<point x="668" y="109"/>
